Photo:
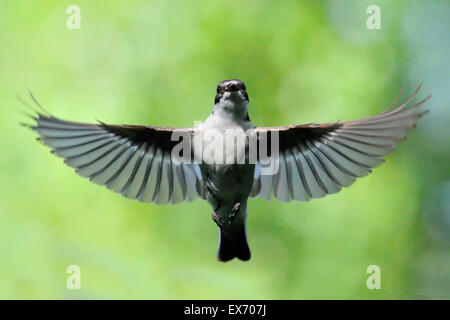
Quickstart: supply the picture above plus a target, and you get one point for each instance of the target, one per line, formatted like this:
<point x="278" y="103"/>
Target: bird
<point x="147" y="163"/>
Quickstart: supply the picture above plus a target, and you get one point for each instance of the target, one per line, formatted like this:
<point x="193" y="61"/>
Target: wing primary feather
<point x="335" y="140"/>
<point x="395" y="100"/>
<point x="147" y="173"/>
<point x="313" y="170"/>
<point x="256" y="187"/>
<point x="404" y="115"/>
<point x="37" y="103"/>
<point x="87" y="128"/>
<point x="289" y="176"/>
<point x="84" y="143"/>
<point x="341" y="168"/>
<point x="401" y="106"/>
<point x="281" y="181"/>
<point x="170" y="177"/>
<point x="330" y="145"/>
<point x="135" y="169"/>
<point x="90" y="150"/>
<point x="323" y="165"/>
<point x="27" y="105"/>
<point x="345" y="137"/>
<point x="56" y="123"/>
<point x="158" y="179"/>
<point x="77" y="136"/>
<point x="367" y="126"/>
<point x="301" y="172"/>
<point x="124" y="164"/>
<point x="362" y="134"/>
<point x="182" y="179"/>
<point x="399" y="110"/>
<point x="114" y="147"/>
<point x="124" y="148"/>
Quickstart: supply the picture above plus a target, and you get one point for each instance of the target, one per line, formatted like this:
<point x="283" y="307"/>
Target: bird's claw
<point x="234" y="212"/>
<point x="217" y="220"/>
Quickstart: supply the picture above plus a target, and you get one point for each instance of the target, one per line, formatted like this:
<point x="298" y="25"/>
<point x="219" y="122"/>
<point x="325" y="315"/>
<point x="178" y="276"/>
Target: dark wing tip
<point x="37" y="103"/>
<point x="35" y="113"/>
<point x="27" y="125"/>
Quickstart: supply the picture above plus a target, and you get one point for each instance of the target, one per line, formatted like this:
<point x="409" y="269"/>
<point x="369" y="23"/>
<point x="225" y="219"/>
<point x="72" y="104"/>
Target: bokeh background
<point x="158" y="62"/>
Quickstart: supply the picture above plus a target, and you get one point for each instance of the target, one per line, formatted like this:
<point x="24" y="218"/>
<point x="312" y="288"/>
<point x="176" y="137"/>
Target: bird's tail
<point x="233" y="244"/>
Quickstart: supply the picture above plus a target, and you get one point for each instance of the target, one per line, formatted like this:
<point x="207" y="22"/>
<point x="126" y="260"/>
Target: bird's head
<point x="231" y="96"/>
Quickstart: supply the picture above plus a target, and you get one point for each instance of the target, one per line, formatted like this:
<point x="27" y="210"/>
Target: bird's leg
<point x="216" y="217"/>
<point x="234" y="212"/>
<point x="217" y="220"/>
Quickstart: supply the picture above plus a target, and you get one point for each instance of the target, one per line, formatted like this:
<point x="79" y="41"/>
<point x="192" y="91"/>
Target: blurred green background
<point x="158" y="62"/>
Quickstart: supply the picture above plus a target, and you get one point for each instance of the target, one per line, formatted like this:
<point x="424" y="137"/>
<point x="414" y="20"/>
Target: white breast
<point x="221" y="139"/>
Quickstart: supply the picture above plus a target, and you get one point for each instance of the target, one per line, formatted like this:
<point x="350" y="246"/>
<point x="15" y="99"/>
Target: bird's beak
<point x="235" y="92"/>
<point x="235" y="95"/>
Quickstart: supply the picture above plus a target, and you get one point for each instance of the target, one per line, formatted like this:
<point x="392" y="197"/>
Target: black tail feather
<point x="233" y="245"/>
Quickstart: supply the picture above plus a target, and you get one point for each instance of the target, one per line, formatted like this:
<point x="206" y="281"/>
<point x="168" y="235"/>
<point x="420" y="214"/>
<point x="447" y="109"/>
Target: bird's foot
<point x="217" y="220"/>
<point x="234" y="212"/>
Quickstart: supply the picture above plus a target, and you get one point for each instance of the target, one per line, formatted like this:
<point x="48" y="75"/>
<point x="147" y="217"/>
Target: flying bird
<point x="312" y="160"/>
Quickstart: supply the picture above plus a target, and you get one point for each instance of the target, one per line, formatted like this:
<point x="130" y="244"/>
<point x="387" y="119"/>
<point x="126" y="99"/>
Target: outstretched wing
<point x="135" y="161"/>
<point x="320" y="159"/>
